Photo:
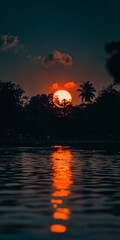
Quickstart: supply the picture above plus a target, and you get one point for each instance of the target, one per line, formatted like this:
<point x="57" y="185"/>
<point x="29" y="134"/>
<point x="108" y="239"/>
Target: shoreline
<point x="72" y="143"/>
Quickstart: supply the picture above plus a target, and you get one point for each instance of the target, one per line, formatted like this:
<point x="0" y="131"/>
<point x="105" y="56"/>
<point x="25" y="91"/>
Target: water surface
<point x="59" y="193"/>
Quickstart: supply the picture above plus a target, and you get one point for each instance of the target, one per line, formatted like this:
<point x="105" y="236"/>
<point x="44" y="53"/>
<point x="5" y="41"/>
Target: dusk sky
<point x="48" y="45"/>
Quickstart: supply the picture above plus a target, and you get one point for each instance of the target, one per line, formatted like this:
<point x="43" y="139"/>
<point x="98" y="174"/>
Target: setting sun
<point x="62" y="98"/>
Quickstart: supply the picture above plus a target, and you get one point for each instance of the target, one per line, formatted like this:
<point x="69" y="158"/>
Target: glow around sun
<point x="62" y="98"/>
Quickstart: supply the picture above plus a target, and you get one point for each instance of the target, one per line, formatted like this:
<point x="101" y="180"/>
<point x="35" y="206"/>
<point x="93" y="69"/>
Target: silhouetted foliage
<point x="38" y="119"/>
<point x="61" y="104"/>
<point x="40" y="104"/>
<point x="39" y="111"/>
<point x="11" y="105"/>
<point x="109" y="97"/>
<point x="86" y="91"/>
<point x="113" y="60"/>
<point x="107" y="112"/>
<point x="11" y="94"/>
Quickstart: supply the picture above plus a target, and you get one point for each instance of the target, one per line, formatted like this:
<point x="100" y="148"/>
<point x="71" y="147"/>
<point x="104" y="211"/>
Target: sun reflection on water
<point x="62" y="181"/>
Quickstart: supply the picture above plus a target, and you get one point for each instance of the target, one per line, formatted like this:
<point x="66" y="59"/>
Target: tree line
<point x="38" y="119"/>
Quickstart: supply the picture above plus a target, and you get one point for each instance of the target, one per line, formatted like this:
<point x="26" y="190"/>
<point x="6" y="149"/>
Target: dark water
<point x="59" y="193"/>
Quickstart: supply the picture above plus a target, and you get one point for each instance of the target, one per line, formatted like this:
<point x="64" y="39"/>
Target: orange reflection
<point x="58" y="228"/>
<point x="61" y="163"/>
<point x="58" y="201"/>
<point x="61" y="213"/>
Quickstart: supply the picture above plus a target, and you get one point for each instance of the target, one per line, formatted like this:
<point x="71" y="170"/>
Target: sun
<point x="62" y="98"/>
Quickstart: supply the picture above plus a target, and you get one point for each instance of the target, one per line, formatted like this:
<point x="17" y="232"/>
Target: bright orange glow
<point x="61" y="193"/>
<point x="58" y="228"/>
<point x="70" y="85"/>
<point x="62" y="173"/>
<point x="62" y="213"/>
<point x="57" y="201"/>
<point x="61" y="162"/>
<point x="64" y="210"/>
<point x="61" y="147"/>
<point x="57" y="146"/>
<point x="55" y="205"/>
<point x="62" y="98"/>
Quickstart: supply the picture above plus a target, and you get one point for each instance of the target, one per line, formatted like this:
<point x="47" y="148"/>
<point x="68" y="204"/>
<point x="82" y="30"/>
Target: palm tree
<point x="86" y="91"/>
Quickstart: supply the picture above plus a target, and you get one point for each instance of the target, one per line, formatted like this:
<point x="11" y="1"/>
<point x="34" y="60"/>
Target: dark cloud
<point x="8" y="42"/>
<point x="63" y="58"/>
<point x="48" y="61"/>
<point x="52" y="58"/>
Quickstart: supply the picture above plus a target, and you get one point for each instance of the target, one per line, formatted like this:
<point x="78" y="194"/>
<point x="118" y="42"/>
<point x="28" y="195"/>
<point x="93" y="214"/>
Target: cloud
<point x="52" y="58"/>
<point x="48" y="61"/>
<point x="63" y="58"/>
<point x="70" y="85"/>
<point x="55" y="86"/>
<point x="8" y="42"/>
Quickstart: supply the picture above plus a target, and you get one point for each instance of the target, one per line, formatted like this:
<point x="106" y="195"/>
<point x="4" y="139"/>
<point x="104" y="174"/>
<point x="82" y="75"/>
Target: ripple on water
<point x="59" y="193"/>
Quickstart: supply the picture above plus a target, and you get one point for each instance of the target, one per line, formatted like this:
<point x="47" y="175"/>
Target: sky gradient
<point x="50" y="45"/>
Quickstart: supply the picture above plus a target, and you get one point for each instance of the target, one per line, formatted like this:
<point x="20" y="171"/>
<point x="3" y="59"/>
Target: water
<point x="59" y="193"/>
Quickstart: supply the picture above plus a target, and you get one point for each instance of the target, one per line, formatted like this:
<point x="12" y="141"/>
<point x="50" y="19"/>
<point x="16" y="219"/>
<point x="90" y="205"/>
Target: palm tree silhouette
<point x="86" y="91"/>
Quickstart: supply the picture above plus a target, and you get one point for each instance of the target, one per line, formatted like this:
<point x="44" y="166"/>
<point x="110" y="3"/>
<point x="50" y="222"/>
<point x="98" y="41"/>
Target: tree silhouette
<point x="56" y="101"/>
<point x="108" y="100"/>
<point x="86" y="91"/>
<point x="107" y="112"/>
<point x="11" y="108"/>
<point x="113" y="60"/>
<point x="39" y="113"/>
<point x="35" y="121"/>
<point x="11" y="100"/>
<point x="61" y="103"/>
<point x="40" y="104"/>
<point x="11" y="93"/>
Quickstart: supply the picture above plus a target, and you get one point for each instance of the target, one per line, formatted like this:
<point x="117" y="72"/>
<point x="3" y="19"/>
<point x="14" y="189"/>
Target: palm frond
<point x="87" y="91"/>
